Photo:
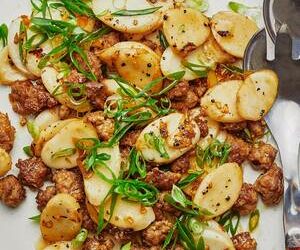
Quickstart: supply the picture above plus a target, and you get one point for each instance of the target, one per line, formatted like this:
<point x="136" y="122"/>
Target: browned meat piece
<point x="179" y="247"/>
<point x="262" y="155"/>
<point x="244" y="241"/>
<point x="105" y="126"/>
<point x="199" y="86"/>
<point x="43" y="196"/>
<point x="202" y="124"/>
<point x="179" y="92"/>
<point x="87" y="221"/>
<point x="239" y="149"/>
<point x="270" y="186"/>
<point x="224" y="74"/>
<point x="12" y="193"/>
<point x="98" y="243"/>
<point x="191" y="101"/>
<point x="96" y="94"/>
<point x="70" y="182"/>
<point x="153" y="1"/>
<point x="7" y="133"/>
<point x="157" y="232"/>
<point x="162" y="180"/>
<point x="136" y="246"/>
<point x="234" y="127"/>
<point x="130" y="138"/>
<point x="182" y="164"/>
<point x="106" y="41"/>
<point x="33" y="172"/>
<point x="27" y="99"/>
<point x="247" y="201"/>
<point x="183" y="96"/>
<point x="187" y="49"/>
<point x="120" y="235"/>
<point x="163" y="209"/>
<point x="95" y="64"/>
<point x="75" y="77"/>
<point x="257" y="129"/>
<point x="150" y="44"/>
<point x="156" y="47"/>
<point x="66" y="113"/>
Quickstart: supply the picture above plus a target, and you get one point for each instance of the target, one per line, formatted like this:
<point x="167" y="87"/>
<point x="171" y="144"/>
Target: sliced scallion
<point x="63" y="153"/>
<point x="80" y="238"/>
<point x="3" y="34"/>
<point x="36" y="218"/>
<point x="254" y="220"/>
<point x="157" y="143"/>
<point x="28" y="151"/>
<point x="136" y="12"/>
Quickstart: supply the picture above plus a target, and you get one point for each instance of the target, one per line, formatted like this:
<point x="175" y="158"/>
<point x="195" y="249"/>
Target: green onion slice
<point x="63" y="153"/>
<point x="36" y="218"/>
<point x="3" y="34"/>
<point x="28" y="151"/>
<point x="254" y="220"/>
<point x="136" y="12"/>
<point x="80" y="238"/>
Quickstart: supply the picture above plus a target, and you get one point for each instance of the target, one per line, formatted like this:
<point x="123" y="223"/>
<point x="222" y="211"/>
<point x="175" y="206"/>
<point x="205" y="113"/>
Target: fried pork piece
<point x="120" y="235"/>
<point x="183" y="97"/>
<point x="95" y="64"/>
<point x="106" y="41"/>
<point x="130" y="138"/>
<point x="202" y="124"/>
<point x="234" y="127"/>
<point x="257" y="128"/>
<point x="28" y="98"/>
<point x="136" y="246"/>
<point x="162" y="180"/>
<point x="65" y="112"/>
<point x="182" y="164"/>
<point x="43" y="196"/>
<point x="70" y="182"/>
<point x="98" y="243"/>
<point x="262" y="155"/>
<point x="12" y="193"/>
<point x="188" y="48"/>
<point x="157" y="48"/>
<point x="96" y="94"/>
<point x="179" y="92"/>
<point x="270" y="186"/>
<point x="87" y="221"/>
<point x="105" y="126"/>
<point x="244" y="241"/>
<point x="7" y="133"/>
<point x="224" y="74"/>
<point x="157" y="232"/>
<point x="163" y="209"/>
<point x="239" y="150"/>
<point x="247" y="201"/>
<point x="199" y="86"/>
<point x="33" y="172"/>
<point x="75" y="77"/>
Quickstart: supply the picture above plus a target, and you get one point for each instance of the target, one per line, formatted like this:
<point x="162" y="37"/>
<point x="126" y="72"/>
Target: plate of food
<point x="130" y="124"/>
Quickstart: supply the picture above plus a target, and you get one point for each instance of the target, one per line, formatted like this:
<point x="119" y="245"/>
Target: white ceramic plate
<point x="17" y="232"/>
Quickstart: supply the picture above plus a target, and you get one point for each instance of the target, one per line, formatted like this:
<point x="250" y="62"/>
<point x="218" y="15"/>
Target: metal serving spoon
<point x="284" y="118"/>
